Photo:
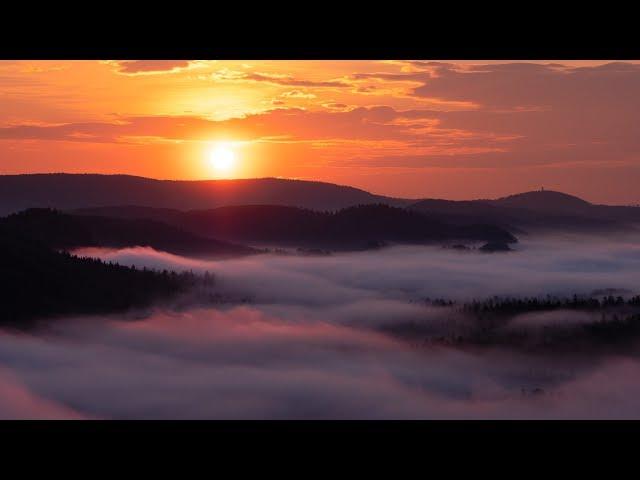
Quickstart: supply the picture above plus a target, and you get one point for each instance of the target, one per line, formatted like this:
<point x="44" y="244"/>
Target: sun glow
<point x="222" y="158"/>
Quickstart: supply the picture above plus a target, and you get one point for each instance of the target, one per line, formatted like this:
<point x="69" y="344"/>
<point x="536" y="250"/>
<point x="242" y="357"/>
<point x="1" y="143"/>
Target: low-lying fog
<point x="311" y="342"/>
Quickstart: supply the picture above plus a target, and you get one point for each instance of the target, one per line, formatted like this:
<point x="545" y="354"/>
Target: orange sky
<point x="454" y="130"/>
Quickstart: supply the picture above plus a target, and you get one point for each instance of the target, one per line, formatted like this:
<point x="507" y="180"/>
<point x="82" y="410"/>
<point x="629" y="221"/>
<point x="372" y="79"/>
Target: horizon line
<point x="300" y="180"/>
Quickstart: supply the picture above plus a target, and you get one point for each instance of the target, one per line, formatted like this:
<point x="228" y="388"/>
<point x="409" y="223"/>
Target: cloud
<point x="356" y="129"/>
<point x="493" y="116"/>
<point x="225" y="74"/>
<point x="335" y="106"/>
<point x="554" y="113"/>
<point x="150" y="67"/>
<point x="559" y="265"/>
<point x="293" y="82"/>
<point x="456" y="130"/>
<point x="17" y="401"/>
<point x="246" y="363"/>
<point x="239" y="364"/>
<point x="315" y="341"/>
<point x="297" y="94"/>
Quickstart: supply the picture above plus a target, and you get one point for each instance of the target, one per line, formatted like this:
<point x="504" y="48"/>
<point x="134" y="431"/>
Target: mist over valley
<point x="413" y="328"/>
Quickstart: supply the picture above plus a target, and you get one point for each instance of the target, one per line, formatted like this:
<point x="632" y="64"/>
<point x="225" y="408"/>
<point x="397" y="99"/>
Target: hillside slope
<point x="37" y="282"/>
<point x="62" y="231"/>
<point x="70" y="191"/>
<point x="357" y="227"/>
<point x="534" y="211"/>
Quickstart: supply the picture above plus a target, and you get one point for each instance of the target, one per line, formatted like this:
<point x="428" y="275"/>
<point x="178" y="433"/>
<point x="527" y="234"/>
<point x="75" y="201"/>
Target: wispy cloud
<point x="151" y="67"/>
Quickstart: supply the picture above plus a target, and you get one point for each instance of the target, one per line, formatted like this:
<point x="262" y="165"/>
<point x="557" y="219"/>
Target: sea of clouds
<point x="313" y="341"/>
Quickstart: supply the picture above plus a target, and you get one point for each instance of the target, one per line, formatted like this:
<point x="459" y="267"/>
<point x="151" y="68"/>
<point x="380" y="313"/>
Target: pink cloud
<point x="140" y="67"/>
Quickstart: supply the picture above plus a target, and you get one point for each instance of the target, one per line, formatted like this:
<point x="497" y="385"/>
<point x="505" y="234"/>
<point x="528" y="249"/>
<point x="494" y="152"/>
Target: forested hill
<point x="71" y="191"/>
<point x="534" y="212"/>
<point x="38" y="282"/>
<point x="63" y="231"/>
<point x="357" y="227"/>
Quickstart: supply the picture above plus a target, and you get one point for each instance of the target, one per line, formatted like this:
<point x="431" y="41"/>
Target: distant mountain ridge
<point x="70" y="191"/>
<point x="358" y="227"/>
<point x="541" y="210"/>
<point x="544" y="200"/>
<point x="524" y="212"/>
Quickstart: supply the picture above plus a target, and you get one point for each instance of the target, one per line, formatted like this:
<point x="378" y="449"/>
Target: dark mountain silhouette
<point x="70" y="191"/>
<point x="38" y="282"/>
<point x="63" y="231"/>
<point x="157" y="199"/>
<point x="358" y="227"/>
<point x="546" y="201"/>
<point x="170" y="216"/>
<point x="533" y="211"/>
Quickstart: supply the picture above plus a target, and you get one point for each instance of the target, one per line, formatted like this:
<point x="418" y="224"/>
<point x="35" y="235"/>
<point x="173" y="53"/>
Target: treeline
<point x="515" y="306"/>
<point x="353" y="228"/>
<point x="510" y="306"/>
<point x="608" y="331"/>
<point x="611" y="322"/>
<point x="63" y="231"/>
<point x="37" y="282"/>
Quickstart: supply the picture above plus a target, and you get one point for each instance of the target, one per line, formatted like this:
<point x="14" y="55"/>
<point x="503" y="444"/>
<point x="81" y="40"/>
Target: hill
<point x="544" y="201"/>
<point x="37" y="282"/>
<point x="62" y="231"/>
<point x="358" y="227"/>
<point x="160" y="199"/>
<point x="533" y="211"/>
<point x="71" y="191"/>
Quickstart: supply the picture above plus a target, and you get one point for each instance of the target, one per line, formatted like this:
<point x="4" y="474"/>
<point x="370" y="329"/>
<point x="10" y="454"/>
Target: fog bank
<point x="312" y="342"/>
<point x="557" y="266"/>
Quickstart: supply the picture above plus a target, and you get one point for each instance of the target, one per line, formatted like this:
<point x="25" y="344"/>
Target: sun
<point x="222" y="158"/>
